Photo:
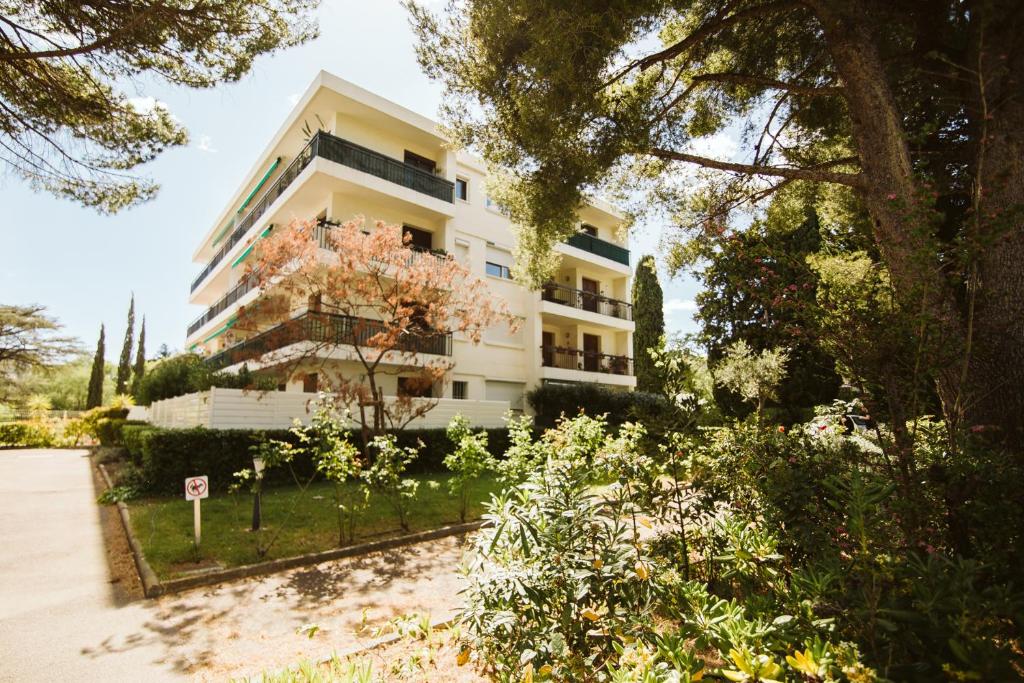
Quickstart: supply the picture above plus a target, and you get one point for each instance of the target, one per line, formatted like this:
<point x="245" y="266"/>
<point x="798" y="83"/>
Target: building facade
<point x="344" y="152"/>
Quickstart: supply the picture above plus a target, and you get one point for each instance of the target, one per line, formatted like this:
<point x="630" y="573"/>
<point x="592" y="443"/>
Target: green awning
<point x="241" y="257"/>
<point x="223" y="231"/>
<point x="227" y="326"/>
<point x="263" y="180"/>
<point x="266" y="176"/>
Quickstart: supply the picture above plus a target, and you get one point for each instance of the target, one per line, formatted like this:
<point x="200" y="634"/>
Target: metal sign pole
<point x="198" y="523"/>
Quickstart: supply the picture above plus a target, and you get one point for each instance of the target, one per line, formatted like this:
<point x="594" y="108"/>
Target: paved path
<point x="61" y="617"/>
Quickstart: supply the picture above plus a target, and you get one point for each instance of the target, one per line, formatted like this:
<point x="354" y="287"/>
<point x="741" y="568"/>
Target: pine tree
<point x="124" y="366"/>
<point x="649" y="315"/>
<point x="95" y="395"/>
<point x="140" y="360"/>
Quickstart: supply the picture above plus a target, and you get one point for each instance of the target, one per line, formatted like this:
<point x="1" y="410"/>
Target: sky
<point x="83" y="266"/>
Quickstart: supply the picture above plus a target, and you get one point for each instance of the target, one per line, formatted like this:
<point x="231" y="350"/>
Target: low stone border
<point x="274" y="566"/>
<point x="150" y="583"/>
<point x="152" y="587"/>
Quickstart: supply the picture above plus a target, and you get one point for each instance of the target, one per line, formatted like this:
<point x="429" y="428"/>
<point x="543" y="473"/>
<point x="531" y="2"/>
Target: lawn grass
<point x="164" y="525"/>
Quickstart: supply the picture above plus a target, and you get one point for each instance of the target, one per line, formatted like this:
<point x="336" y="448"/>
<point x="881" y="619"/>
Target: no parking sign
<point x="197" y="488"/>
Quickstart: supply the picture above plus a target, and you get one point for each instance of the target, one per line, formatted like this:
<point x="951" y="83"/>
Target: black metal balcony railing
<point x="347" y="153"/>
<point x="321" y="235"/>
<point x="222" y="304"/>
<point x="588" y="361"/>
<point x="587" y="301"/>
<point x="366" y="160"/>
<point x="325" y="328"/>
<point x="596" y="245"/>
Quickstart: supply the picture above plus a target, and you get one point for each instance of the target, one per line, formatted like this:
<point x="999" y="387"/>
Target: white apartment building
<point x="345" y="152"/>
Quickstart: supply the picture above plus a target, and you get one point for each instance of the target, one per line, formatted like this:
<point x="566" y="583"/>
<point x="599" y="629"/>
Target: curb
<point x="274" y="566"/>
<point x="152" y="587"/>
<point x="150" y="583"/>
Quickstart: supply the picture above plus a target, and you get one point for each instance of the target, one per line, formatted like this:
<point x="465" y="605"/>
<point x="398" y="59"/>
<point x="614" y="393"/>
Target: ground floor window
<point x="460" y="390"/>
<point x="415" y="386"/>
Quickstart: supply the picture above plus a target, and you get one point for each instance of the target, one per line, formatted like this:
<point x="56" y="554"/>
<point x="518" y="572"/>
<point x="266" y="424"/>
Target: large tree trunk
<point x="991" y="392"/>
<point x="994" y="389"/>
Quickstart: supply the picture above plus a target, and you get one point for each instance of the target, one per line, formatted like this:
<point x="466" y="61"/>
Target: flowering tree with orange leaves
<point x="342" y="291"/>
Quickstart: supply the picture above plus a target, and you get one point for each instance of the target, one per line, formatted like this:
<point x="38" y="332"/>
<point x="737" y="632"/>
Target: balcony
<point x="600" y="247"/>
<point x="587" y="301"/>
<point x="321" y="235"/>
<point x="346" y="153"/>
<point x="324" y="328"/>
<point x="588" y="361"/>
<point x="237" y="292"/>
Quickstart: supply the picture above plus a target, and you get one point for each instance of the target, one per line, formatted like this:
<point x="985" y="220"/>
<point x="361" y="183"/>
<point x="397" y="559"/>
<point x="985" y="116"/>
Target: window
<point x="309" y="383"/>
<point x="415" y="386"/>
<point x="498" y="270"/>
<point x="460" y="390"/>
<point x="462" y="189"/>
<point x="589" y="229"/>
<point x="422" y="163"/>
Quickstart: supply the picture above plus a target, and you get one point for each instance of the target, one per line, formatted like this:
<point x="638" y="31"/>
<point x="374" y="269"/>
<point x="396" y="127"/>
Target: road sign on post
<point x="197" y="488"/>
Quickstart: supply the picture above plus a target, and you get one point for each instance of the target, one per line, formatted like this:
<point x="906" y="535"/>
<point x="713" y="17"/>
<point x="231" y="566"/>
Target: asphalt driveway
<point x="70" y="609"/>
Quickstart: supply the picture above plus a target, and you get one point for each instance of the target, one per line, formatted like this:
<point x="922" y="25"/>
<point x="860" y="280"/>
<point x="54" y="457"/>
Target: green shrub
<point x="108" y="430"/>
<point x="167" y="456"/>
<point x="171" y="455"/>
<point x="89" y="422"/>
<point x="26" y="435"/>
<point x="189" y="373"/>
<point x="132" y="435"/>
<point x="551" y="401"/>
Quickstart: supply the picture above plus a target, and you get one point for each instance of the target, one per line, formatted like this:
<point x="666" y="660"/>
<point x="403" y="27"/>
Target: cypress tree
<point x="95" y="395"/>
<point x="649" y="316"/>
<point x="124" y="366"/>
<point x="140" y="360"/>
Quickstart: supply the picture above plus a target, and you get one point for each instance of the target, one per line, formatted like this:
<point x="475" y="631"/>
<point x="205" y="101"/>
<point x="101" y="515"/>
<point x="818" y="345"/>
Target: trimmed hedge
<point x="131" y="439"/>
<point x="109" y="430"/>
<point x="167" y="456"/>
<point x="551" y="401"/>
<point x="26" y="435"/>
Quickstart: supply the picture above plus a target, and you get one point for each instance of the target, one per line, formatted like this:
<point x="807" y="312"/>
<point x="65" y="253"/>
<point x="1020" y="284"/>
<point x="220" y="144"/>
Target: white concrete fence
<point x="241" y="409"/>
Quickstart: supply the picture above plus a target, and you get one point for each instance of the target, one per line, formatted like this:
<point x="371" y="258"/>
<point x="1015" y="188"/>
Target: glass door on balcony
<point x="589" y="297"/>
<point x="419" y="239"/>
<point x="591" y="352"/>
<point x="548" y="349"/>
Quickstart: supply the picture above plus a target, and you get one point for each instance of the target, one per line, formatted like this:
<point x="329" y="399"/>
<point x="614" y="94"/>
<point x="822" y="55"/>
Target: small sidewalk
<point x="62" y="618"/>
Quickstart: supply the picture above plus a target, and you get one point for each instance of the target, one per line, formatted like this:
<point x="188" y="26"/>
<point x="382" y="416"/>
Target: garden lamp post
<point x="257" y="466"/>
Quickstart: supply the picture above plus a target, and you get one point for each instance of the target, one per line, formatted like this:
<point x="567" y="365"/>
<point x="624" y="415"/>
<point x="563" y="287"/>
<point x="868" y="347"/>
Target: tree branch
<point x="814" y="173"/>
<point x="88" y="47"/>
<point x="711" y="28"/>
<point x="761" y="81"/>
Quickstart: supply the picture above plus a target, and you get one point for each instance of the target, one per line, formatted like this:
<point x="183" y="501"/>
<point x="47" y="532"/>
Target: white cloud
<point x="293" y="99"/>
<point x="147" y="105"/>
<point x="679" y="305"/>
<point x="205" y="144"/>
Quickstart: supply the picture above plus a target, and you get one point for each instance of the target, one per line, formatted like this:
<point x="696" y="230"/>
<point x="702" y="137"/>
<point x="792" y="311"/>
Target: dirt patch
<point x="408" y="659"/>
<point x="124" y="578"/>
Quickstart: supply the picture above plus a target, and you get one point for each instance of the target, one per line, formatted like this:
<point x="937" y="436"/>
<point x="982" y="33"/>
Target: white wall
<point x="240" y="409"/>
